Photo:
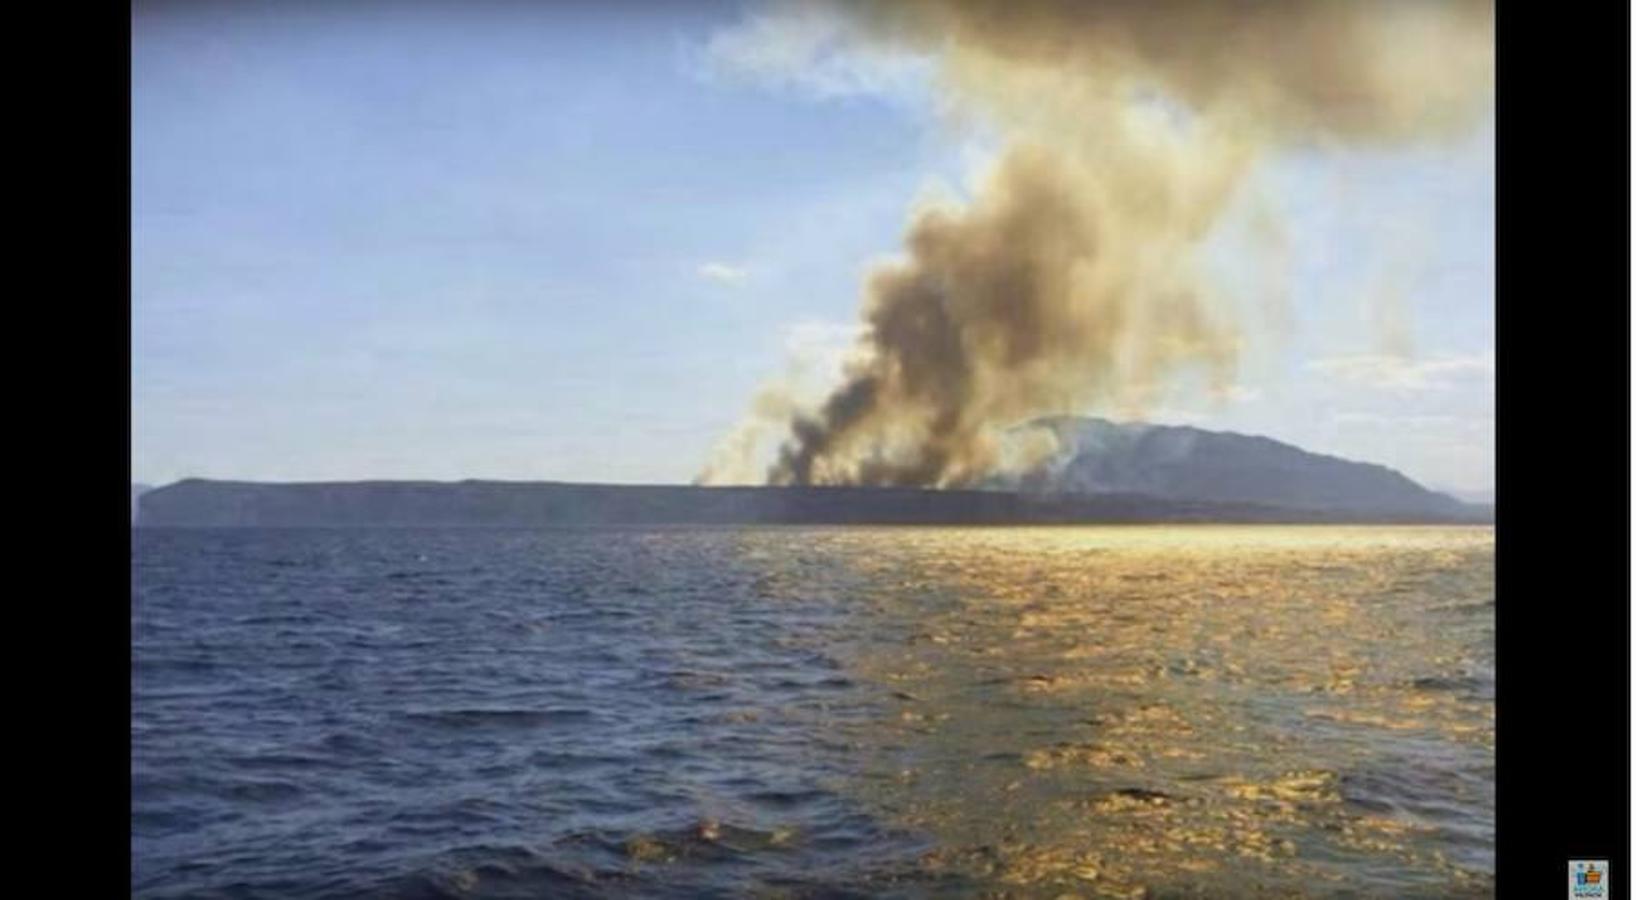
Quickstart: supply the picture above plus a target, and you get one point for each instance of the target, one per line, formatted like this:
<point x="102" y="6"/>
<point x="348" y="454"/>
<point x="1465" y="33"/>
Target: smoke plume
<point x="1069" y="280"/>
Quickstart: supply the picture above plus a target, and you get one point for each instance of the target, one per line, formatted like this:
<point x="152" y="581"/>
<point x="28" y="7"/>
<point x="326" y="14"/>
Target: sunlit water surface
<point x="1122" y="712"/>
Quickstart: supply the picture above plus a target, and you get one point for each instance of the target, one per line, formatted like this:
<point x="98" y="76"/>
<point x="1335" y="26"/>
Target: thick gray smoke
<point x="1070" y="280"/>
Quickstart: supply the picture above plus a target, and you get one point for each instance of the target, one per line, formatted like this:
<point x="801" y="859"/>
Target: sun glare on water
<point x="1113" y="710"/>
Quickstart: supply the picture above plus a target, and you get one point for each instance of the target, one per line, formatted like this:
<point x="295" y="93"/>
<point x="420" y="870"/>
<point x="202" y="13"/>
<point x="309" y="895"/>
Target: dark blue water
<point x="810" y="712"/>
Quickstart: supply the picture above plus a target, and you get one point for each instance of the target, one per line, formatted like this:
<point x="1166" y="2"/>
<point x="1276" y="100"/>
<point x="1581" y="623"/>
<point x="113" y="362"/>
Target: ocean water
<point x="1198" y="711"/>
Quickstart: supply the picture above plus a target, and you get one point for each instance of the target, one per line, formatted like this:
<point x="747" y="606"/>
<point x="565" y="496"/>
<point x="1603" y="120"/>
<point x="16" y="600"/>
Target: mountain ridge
<point x="1104" y="472"/>
<point x="202" y="503"/>
<point x="1184" y="461"/>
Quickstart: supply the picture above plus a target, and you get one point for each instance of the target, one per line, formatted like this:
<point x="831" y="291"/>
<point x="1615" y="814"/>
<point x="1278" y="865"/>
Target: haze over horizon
<point x="559" y="242"/>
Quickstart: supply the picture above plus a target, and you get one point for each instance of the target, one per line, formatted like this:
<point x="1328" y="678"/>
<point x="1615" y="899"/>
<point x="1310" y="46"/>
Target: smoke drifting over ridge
<point x="1070" y="279"/>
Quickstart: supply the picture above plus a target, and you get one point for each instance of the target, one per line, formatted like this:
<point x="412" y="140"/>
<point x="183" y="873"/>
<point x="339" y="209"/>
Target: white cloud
<point x="722" y="273"/>
<point x="812" y="47"/>
<point x="1401" y="373"/>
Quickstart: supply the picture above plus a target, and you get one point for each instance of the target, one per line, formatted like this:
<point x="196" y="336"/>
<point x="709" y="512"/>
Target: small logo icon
<point x="1587" y="878"/>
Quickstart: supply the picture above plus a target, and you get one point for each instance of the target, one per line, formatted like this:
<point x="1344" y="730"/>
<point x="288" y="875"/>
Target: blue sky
<point x="551" y="242"/>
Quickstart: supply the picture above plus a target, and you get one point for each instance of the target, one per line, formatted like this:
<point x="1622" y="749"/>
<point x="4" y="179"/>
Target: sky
<point x="570" y="242"/>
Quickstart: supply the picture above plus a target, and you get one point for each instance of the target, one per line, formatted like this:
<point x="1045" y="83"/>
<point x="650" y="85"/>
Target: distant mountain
<point x="1103" y="472"/>
<point x="198" y="503"/>
<point x="1192" y="464"/>
<point x="137" y="490"/>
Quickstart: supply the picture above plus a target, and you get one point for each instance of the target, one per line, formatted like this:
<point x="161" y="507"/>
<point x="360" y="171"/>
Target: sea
<point x="1122" y="711"/>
